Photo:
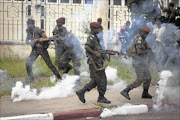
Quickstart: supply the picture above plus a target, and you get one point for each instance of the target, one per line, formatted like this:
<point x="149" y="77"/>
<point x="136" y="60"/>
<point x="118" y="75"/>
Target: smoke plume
<point x="124" y="110"/>
<point x="63" y="88"/>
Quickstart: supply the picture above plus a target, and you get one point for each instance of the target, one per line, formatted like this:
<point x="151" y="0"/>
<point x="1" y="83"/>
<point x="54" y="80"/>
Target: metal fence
<point x="14" y="14"/>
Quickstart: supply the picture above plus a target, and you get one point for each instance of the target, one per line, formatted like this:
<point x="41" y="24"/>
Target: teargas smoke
<point x="112" y="77"/>
<point x="63" y="88"/>
<point x="160" y="92"/>
<point x="124" y="110"/>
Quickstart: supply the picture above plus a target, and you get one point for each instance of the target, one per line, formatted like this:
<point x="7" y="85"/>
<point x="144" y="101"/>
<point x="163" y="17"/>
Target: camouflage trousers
<point x="98" y="78"/>
<point x="64" y="60"/>
<point x="33" y="56"/>
<point x="59" y="49"/>
<point x="143" y="76"/>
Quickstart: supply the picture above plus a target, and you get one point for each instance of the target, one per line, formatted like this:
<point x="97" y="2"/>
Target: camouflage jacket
<point x="94" y="43"/>
<point x="139" y="43"/>
<point x="37" y="33"/>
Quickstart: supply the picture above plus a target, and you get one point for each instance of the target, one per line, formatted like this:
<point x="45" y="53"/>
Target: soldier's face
<point x="59" y="24"/>
<point x="96" y="30"/>
<point x="144" y="34"/>
<point x="100" y="22"/>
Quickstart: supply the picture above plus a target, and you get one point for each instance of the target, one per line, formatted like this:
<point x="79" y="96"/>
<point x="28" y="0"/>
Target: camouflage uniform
<point x="36" y="51"/>
<point x="98" y="78"/>
<point x="140" y="64"/>
<point x="58" y="46"/>
<point x="70" y="53"/>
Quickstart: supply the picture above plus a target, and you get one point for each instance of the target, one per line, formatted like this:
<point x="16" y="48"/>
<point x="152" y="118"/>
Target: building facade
<point x="78" y="14"/>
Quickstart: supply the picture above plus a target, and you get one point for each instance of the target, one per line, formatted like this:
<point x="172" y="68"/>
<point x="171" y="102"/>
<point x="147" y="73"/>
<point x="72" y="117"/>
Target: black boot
<point x="67" y="69"/>
<point x="59" y="77"/>
<point x="80" y="95"/>
<point x="125" y="93"/>
<point x="102" y="99"/>
<point x="145" y="94"/>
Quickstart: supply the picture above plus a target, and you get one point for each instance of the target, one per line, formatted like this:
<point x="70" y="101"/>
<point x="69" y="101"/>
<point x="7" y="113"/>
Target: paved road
<point x="172" y="114"/>
<point x="70" y="103"/>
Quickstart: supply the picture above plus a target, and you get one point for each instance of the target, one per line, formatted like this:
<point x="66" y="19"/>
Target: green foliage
<point x="16" y="68"/>
<point x="5" y="92"/>
<point x="125" y="71"/>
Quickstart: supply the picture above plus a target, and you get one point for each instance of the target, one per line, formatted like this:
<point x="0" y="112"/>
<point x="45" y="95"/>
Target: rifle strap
<point x="98" y="69"/>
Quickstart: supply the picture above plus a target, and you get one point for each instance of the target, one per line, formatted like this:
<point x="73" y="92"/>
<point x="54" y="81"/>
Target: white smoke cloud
<point x="124" y="110"/>
<point x="164" y="77"/>
<point x="111" y="74"/>
<point x="63" y="88"/>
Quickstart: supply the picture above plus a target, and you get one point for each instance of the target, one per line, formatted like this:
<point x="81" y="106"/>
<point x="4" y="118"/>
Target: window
<point x="29" y="10"/>
<point x="126" y="2"/>
<point x="77" y="1"/>
<point x="64" y="1"/>
<point x="42" y="0"/>
<point x="117" y="2"/>
<point x="88" y="1"/>
<point x="42" y="23"/>
<point x="42" y="10"/>
<point x="54" y="1"/>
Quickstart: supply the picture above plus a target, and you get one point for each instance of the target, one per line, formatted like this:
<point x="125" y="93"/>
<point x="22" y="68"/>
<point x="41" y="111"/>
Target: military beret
<point x="145" y="28"/>
<point x="60" y="19"/>
<point x="95" y="24"/>
<point x="99" y="19"/>
<point x="30" y="21"/>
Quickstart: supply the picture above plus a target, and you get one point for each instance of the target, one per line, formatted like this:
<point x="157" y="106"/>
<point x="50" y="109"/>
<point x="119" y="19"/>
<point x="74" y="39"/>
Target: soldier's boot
<point x="102" y="99"/>
<point x="67" y="69"/>
<point x="125" y="93"/>
<point x="80" y="95"/>
<point x="146" y="95"/>
<point x="30" y="79"/>
<point x="59" y="77"/>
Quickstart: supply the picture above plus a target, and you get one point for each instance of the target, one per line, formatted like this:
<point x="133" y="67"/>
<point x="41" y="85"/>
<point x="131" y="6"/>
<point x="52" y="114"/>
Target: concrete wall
<point x="14" y="15"/>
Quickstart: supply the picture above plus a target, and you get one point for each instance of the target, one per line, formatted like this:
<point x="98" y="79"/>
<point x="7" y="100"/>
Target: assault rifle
<point x="106" y="54"/>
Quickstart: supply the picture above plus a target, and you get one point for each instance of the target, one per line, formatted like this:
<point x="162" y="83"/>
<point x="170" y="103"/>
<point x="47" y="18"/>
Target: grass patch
<point x="16" y="68"/>
<point x="5" y="92"/>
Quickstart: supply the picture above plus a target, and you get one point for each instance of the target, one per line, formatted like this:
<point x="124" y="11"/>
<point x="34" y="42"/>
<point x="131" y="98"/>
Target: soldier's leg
<point x="56" y="55"/>
<point x="139" y="69"/>
<point x="64" y="62"/>
<point x="89" y="86"/>
<point x="45" y="56"/>
<point x="33" y="56"/>
<point x="140" y="77"/>
<point x="101" y="81"/>
<point x="146" y="83"/>
<point x="59" y="52"/>
<point x="76" y="66"/>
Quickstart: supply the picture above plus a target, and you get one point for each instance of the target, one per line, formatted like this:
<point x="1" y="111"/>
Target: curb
<point x="77" y="114"/>
<point x="68" y="115"/>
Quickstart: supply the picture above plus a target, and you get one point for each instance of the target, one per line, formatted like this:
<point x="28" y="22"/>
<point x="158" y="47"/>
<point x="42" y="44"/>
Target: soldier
<point x="139" y="51"/>
<point x="95" y="61"/>
<point x="36" y="37"/>
<point x="171" y="12"/>
<point x="70" y="52"/>
<point x="58" y="45"/>
<point x="100" y="34"/>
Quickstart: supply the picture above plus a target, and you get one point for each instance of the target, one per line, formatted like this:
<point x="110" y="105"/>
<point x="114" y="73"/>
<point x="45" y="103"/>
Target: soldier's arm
<point x="43" y="38"/>
<point x="141" y="52"/>
<point x="89" y="50"/>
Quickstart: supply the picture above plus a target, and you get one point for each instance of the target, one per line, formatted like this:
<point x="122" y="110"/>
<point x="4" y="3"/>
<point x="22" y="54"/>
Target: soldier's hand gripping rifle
<point x="106" y="54"/>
